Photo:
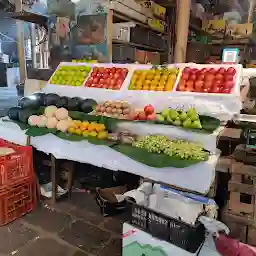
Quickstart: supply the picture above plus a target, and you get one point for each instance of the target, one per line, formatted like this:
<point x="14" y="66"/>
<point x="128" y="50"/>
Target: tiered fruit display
<point x="154" y="79"/>
<point x="207" y="80"/>
<point x="88" y="129"/>
<point x="108" y="78"/>
<point x="178" y="148"/>
<point x="116" y="109"/>
<point x="187" y="119"/>
<point x="70" y="75"/>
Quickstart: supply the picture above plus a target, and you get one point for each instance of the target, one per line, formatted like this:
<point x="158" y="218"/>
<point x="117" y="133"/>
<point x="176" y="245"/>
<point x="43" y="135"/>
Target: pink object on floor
<point x="227" y="246"/>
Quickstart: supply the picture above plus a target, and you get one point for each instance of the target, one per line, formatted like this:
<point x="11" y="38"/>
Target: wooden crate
<point x="238" y="230"/>
<point x="245" y="155"/>
<point x="242" y="189"/>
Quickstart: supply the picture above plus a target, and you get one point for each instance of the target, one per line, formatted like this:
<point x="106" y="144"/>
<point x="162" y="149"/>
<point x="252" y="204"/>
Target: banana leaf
<point x="209" y="124"/>
<point x="39" y="131"/>
<point x="92" y="140"/>
<point x="22" y="126"/>
<point x="154" y="159"/>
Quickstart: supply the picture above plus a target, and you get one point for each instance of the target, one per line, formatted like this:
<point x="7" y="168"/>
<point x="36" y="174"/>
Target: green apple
<point x="165" y="113"/>
<point x="173" y="114"/>
<point x="187" y="123"/>
<point x="196" y="125"/>
<point x="160" y="118"/>
<point x="183" y="116"/>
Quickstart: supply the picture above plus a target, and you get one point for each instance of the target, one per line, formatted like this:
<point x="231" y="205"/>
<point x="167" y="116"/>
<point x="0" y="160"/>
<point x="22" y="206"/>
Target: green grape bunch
<point x="177" y="148"/>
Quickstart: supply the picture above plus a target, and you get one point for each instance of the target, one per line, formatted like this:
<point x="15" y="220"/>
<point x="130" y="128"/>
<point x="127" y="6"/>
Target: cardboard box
<point x="140" y="56"/>
<point x="239" y="30"/>
<point x="152" y="57"/>
<point x="216" y="27"/>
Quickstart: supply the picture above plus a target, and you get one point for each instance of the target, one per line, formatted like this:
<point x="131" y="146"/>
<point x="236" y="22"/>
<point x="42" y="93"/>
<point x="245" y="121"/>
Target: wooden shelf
<point x="139" y="46"/>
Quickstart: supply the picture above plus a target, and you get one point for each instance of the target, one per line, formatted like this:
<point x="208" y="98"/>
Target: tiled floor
<point x="68" y="229"/>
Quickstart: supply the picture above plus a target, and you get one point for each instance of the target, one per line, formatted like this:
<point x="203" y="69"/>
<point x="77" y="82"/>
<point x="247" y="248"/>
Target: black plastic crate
<point x="181" y="234"/>
<point x="139" y="35"/>
<point x="123" y="53"/>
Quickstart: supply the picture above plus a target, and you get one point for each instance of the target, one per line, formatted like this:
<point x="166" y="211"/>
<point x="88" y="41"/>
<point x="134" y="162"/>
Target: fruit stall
<point x="159" y="122"/>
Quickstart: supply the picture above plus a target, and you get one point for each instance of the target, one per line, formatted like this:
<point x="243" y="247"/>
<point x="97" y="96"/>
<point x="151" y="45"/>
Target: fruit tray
<point x="210" y="79"/>
<point x="72" y="75"/>
<point x="155" y="79"/>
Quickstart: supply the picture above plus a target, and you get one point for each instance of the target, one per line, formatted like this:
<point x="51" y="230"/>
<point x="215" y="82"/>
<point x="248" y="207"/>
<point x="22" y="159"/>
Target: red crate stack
<point x="17" y="183"/>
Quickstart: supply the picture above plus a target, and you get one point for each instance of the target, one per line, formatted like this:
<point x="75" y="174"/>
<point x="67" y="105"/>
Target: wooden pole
<point x="20" y="43"/>
<point x="182" y="29"/>
<point x="251" y="11"/>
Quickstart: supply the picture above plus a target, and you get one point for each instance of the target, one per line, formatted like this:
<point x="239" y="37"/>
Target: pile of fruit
<point x="116" y="109"/>
<point x="178" y="148"/>
<point x="154" y="79"/>
<point x="187" y="119"/>
<point x="70" y="75"/>
<point x="148" y="113"/>
<point x="88" y="129"/>
<point x="53" y="118"/>
<point x="207" y="80"/>
<point x="108" y="78"/>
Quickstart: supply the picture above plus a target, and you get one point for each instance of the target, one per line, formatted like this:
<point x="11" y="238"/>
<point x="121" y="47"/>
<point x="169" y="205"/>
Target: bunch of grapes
<point x="185" y="150"/>
<point x="179" y="148"/>
<point x="152" y="143"/>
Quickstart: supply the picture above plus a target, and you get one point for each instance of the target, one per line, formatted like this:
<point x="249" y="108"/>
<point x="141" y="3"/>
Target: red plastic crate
<point x="17" y="199"/>
<point x="16" y="166"/>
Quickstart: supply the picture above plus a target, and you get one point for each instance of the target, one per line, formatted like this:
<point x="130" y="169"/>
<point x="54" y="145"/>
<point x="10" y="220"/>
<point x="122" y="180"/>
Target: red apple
<point x="199" y="84"/>
<point x="219" y="76"/>
<point x="205" y="89"/>
<point x="229" y="78"/>
<point x="215" y="89"/>
<point x="193" y="77"/>
<point x="186" y="70"/>
<point x="105" y="75"/>
<point x="217" y="82"/>
<point x="185" y="76"/>
<point x="212" y="71"/>
<point x="231" y="71"/>
<point x="228" y="84"/>
<point x="201" y="77"/>
<point x="221" y="71"/>
<point x="194" y="71"/>
<point x="94" y="74"/>
<point x="95" y="80"/>
<point x="142" y="115"/>
<point x="149" y="109"/>
<point x="151" y="117"/>
<point x="190" y="83"/>
<point x="209" y="77"/>
<point x="208" y="84"/>
<point x="203" y="70"/>
<point x="226" y="90"/>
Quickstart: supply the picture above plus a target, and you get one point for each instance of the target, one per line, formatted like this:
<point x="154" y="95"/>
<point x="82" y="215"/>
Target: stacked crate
<point x="240" y="213"/>
<point x="17" y="183"/>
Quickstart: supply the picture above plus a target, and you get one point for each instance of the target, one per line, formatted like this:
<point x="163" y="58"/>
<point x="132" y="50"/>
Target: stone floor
<point x="72" y="227"/>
